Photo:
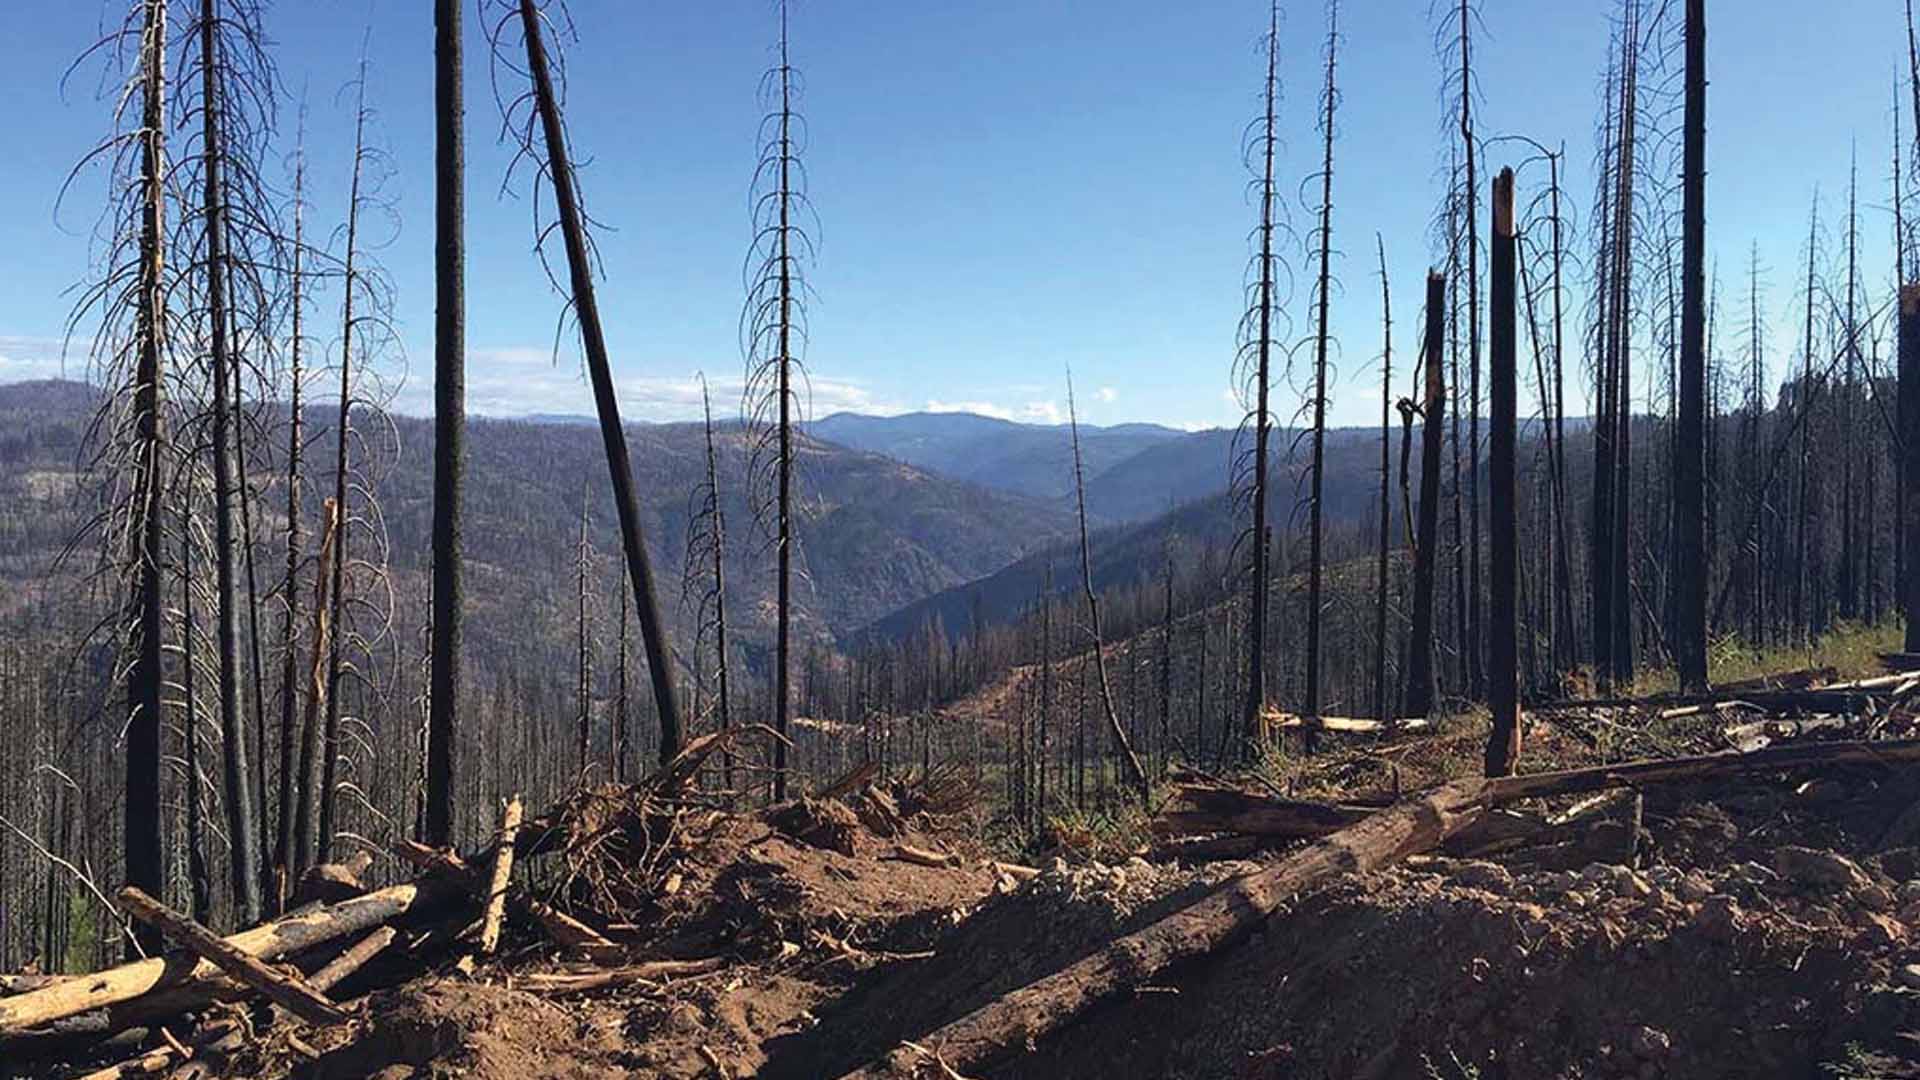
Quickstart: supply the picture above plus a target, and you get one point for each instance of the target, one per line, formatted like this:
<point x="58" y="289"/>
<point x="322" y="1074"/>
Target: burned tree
<point x="1690" y="487"/>
<point x="449" y="413"/>
<point x="1253" y="366"/>
<point x="773" y="328"/>
<point x="1420" y="674"/>
<point x="1323" y="287"/>
<point x="1503" y="691"/>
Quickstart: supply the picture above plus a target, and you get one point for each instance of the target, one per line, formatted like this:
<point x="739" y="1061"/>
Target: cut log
<point x="1758" y="734"/>
<point x="197" y="979"/>
<point x="1353" y="725"/>
<point x="284" y="988"/>
<point x="922" y="857"/>
<point x="20" y="984"/>
<point x="1221" y="918"/>
<point x="501" y="877"/>
<point x="219" y="1032"/>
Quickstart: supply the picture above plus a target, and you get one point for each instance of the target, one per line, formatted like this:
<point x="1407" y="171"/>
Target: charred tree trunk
<point x="587" y="309"/>
<point x="1909" y="409"/>
<point x="1503" y="691"/>
<point x="1420" y="681"/>
<point x="239" y="800"/>
<point x="142" y="845"/>
<point x="1690" y="488"/>
<point x="449" y="413"/>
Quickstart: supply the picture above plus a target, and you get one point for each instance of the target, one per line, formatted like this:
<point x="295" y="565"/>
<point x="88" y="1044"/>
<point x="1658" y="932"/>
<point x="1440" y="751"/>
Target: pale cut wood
<point x="194" y="981"/>
<point x="1352" y="725"/>
<point x="160" y="1059"/>
<point x="283" y="988"/>
<point x="922" y="857"/>
<point x="502" y="875"/>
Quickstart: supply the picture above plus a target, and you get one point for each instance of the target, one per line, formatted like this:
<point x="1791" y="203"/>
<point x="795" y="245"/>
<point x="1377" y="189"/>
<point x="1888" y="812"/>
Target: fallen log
<point x="502" y="875"/>
<point x="284" y="988"/>
<point x="196" y="980"/>
<point x="219" y="1033"/>
<point x="1217" y="920"/>
<point x="1345" y="724"/>
<point x="1018" y="1019"/>
<point x="1801" y="679"/>
<point x="1759" y="734"/>
<point x="1219" y="809"/>
<point x="580" y="982"/>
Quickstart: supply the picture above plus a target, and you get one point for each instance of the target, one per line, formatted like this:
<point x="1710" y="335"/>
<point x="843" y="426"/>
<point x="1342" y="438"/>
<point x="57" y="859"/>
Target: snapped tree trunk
<point x="1420" y="681"/>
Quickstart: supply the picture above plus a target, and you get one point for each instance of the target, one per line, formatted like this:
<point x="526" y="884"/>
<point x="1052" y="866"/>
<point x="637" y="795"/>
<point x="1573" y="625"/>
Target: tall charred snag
<point x="1690" y="487"/>
<point x="1253" y="370"/>
<point x="773" y="329"/>
<point x="449" y="413"/>
<point x="1909" y="410"/>
<point x="1503" y="691"/>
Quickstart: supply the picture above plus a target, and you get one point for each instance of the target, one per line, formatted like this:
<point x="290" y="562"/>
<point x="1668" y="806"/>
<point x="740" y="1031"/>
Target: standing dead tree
<point x="1317" y="404"/>
<point x="1503" y="691"/>
<point x="1253" y="377"/>
<point x="773" y="330"/>
<point x="1909" y="443"/>
<point x="281" y="873"/>
<point x="132" y="454"/>
<point x="539" y="109"/>
<point x="449" y="413"/>
<point x="1690" y="485"/>
<point x="1121" y="745"/>
<point x="703" y="581"/>
<point x="1382" y="709"/>
<point x="1419" y="699"/>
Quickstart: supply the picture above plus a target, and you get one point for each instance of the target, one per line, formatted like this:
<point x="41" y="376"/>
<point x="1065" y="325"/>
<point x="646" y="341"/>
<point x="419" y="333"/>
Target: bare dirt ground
<point x="1766" y="927"/>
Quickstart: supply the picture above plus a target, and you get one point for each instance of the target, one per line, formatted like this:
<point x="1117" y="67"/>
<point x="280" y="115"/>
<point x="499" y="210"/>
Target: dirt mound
<point x="444" y="1028"/>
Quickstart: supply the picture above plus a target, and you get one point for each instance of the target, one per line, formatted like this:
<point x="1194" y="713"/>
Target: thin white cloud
<point x="1032" y="412"/>
<point x="1107" y="394"/>
<point x="524" y="381"/>
<point x="25" y="358"/>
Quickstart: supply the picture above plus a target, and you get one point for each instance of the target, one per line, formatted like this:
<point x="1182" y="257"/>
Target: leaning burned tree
<point x="1253" y="376"/>
<point x="773" y="331"/>
<point x="534" y="121"/>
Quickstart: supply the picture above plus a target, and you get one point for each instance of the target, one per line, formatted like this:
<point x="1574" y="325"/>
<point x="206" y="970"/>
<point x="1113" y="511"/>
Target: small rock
<point x="1908" y="976"/>
<point x="1719" y="918"/>
<point x="1629" y="885"/>
<point x="1138" y="865"/>
<point x="1492" y="877"/>
<point x="1910" y="892"/>
<point x="1825" y="869"/>
<point x="1576" y="900"/>
<point x="1649" y="1044"/>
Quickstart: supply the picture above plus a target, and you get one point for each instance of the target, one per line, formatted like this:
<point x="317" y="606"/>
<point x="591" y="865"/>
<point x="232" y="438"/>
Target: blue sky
<point x="1005" y="187"/>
